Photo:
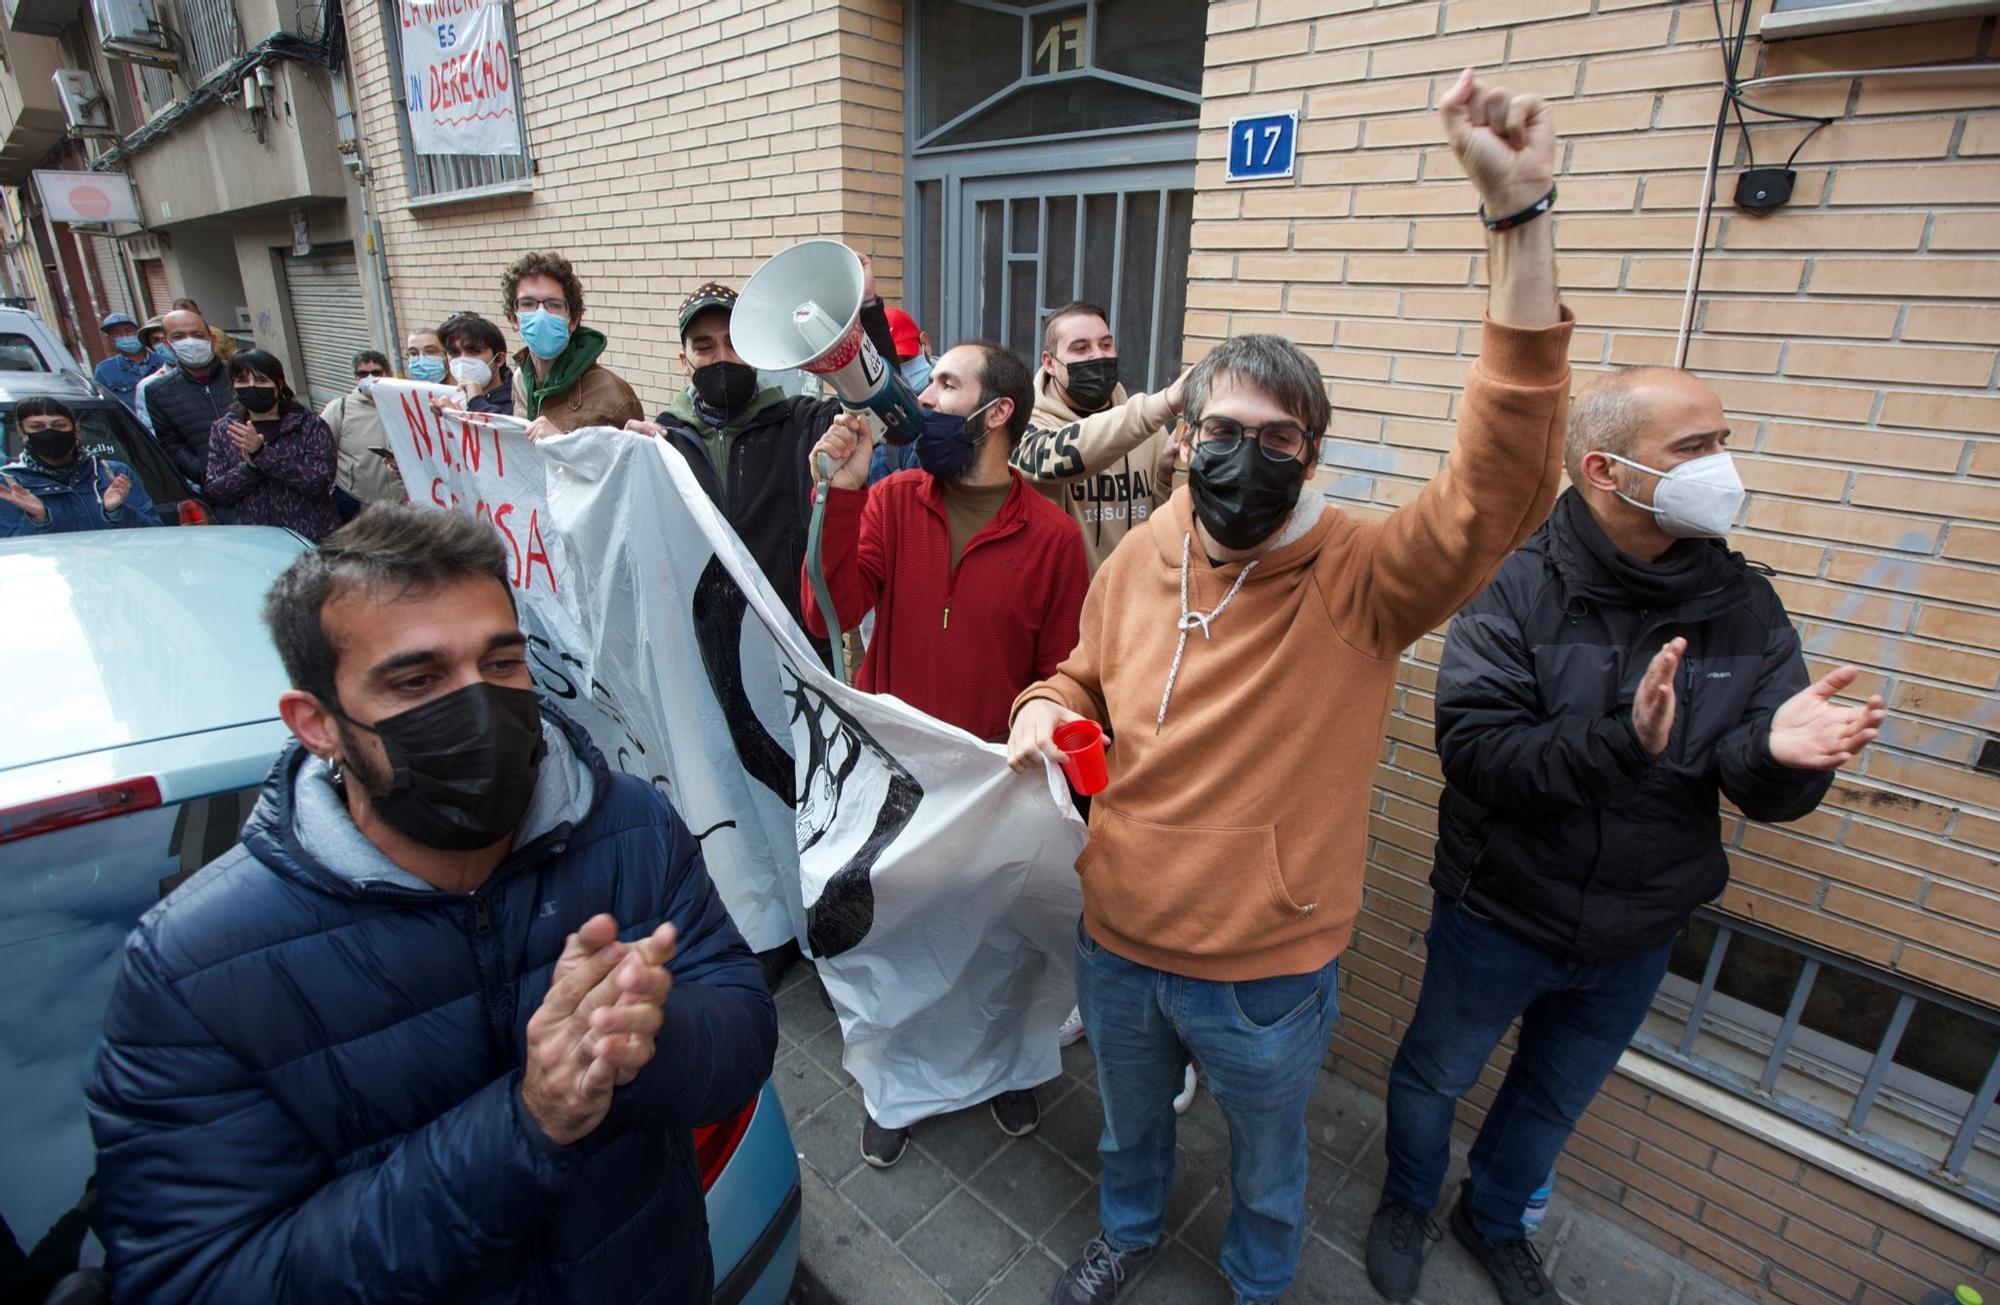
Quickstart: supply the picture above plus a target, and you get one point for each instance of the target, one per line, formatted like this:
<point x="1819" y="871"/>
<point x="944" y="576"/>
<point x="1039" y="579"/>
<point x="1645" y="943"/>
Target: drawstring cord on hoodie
<point x="1189" y="620"/>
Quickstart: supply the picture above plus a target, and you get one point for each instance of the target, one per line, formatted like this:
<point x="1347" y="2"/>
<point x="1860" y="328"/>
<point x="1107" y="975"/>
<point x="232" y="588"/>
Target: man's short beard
<point x="357" y="766"/>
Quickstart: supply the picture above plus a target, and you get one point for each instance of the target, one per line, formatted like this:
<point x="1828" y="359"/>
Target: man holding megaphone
<point x="975" y="579"/>
<point x="747" y="441"/>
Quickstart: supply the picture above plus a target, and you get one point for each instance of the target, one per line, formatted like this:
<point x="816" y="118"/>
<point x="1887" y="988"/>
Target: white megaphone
<point x="803" y="309"/>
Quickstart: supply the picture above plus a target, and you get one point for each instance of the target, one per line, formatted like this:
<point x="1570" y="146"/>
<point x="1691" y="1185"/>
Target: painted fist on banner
<point x="1505" y="142"/>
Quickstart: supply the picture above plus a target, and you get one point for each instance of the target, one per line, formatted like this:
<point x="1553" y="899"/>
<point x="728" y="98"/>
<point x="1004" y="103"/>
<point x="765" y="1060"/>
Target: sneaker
<point x="1071" y="1030"/>
<point x="1185" y="1097"/>
<point x="1098" y="1275"/>
<point x="1513" y="1263"/>
<point x="882" y="1147"/>
<point x="1017" y="1113"/>
<point x="1398" y="1239"/>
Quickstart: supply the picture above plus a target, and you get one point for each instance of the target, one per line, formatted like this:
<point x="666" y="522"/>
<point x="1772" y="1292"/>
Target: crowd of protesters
<point x="475" y="1122"/>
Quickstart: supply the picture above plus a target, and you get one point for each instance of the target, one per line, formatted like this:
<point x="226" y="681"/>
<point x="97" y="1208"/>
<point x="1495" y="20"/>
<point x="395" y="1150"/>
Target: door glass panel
<point x="1022" y="312"/>
<point x="968" y="55"/>
<point x="1100" y="247"/>
<point x="930" y="254"/>
<point x="1065" y="108"/>
<point x="1061" y="259"/>
<point x="1027" y="226"/>
<point x="1157" y="41"/>
<point x="1172" y="308"/>
<point x="1135" y="287"/>
<point x="992" y="258"/>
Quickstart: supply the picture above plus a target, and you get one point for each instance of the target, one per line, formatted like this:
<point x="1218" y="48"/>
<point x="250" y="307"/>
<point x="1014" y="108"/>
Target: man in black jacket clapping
<point x="1622" y="670"/>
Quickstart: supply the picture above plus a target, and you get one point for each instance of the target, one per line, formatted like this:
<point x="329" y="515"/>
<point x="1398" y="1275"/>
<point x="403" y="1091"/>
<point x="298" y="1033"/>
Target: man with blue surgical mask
<point x="976" y="581"/>
<point x="123" y="370"/>
<point x="1623" y="670"/>
<point x="423" y="357"/>
<point x="559" y="386"/>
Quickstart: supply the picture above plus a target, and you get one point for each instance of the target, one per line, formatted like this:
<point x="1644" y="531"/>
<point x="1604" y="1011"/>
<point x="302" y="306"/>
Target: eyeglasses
<point x="1280" y="441"/>
<point x="362" y="373"/>
<point x="528" y="304"/>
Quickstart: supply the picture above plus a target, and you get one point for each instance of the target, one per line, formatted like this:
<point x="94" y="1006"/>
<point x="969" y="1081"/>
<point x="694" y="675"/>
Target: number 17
<point x="1272" y="135"/>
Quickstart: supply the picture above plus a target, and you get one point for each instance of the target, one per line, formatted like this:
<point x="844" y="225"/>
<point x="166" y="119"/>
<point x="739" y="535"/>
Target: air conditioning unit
<point x="84" y="107"/>
<point x="131" y="30"/>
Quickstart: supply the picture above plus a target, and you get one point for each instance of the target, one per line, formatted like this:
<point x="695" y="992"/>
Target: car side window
<point x="19" y="354"/>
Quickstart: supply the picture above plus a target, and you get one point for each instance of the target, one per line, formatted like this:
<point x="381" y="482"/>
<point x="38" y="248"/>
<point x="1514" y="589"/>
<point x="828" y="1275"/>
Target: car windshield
<point x="19" y="354"/>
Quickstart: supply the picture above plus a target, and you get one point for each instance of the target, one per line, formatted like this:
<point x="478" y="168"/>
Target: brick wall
<point x="1852" y="336"/>
<point x="675" y="143"/>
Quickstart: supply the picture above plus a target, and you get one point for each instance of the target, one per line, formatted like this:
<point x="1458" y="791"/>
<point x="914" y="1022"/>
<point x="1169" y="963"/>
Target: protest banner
<point x="458" y="77"/>
<point x="933" y="887"/>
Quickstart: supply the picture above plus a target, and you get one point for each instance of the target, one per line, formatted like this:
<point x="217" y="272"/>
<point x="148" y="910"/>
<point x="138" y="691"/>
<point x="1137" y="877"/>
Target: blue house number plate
<point x="1262" y="146"/>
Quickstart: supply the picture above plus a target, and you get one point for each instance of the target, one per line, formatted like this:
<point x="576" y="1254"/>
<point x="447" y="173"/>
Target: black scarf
<point x="64" y="475"/>
<point x="1689" y="569"/>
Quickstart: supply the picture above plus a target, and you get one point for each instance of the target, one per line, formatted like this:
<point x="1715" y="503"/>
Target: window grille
<point x="444" y="176"/>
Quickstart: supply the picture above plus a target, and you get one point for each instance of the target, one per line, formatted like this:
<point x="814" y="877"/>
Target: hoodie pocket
<point x="1201" y="890"/>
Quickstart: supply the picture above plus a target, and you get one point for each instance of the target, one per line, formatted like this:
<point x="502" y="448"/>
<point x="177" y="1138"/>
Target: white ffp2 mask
<point x="1699" y="499"/>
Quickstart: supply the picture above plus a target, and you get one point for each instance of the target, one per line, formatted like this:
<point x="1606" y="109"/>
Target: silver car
<point x="141" y="720"/>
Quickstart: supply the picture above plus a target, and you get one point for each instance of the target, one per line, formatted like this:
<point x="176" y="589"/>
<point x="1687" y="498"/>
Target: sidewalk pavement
<point x="970" y="1216"/>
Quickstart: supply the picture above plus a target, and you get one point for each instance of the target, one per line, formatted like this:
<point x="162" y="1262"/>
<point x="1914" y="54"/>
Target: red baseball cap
<point x="903" y="330"/>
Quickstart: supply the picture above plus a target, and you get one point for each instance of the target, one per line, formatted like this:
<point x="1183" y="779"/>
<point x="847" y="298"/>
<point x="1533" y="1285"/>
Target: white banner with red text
<point x="933" y="888"/>
<point x="458" y="77"/>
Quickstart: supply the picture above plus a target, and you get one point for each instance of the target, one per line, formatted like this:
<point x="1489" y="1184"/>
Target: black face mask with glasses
<point x="1245" y="480"/>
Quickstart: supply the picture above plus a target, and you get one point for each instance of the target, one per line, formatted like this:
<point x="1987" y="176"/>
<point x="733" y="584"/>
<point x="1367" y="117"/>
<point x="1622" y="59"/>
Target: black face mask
<point x="1242" y="496"/>
<point x="725" y="387"/>
<point x="52" y="445"/>
<point x="257" y="398"/>
<point x="1090" y="385"/>
<point x="462" y="767"/>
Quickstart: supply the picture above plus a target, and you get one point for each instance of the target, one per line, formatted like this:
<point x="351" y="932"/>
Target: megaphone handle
<point x="816" y="570"/>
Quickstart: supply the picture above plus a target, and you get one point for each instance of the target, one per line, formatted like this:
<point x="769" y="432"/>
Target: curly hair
<point x="541" y="263"/>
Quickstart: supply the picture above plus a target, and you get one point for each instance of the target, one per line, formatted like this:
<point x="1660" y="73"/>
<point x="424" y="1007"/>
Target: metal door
<point x="1029" y="243"/>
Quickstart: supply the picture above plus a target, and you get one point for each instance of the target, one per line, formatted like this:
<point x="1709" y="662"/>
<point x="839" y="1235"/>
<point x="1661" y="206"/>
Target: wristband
<point x="1526" y="215"/>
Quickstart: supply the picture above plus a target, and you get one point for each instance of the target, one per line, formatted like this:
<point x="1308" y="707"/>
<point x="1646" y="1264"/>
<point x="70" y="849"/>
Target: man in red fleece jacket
<point x="976" y="580"/>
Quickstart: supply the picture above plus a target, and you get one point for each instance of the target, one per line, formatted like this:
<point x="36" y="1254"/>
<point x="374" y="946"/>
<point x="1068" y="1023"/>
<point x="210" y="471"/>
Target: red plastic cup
<point x="1082" y="743"/>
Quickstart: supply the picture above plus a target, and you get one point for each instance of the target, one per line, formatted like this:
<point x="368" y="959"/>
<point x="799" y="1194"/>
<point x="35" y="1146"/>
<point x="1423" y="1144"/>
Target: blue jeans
<point x="1575" y="1023"/>
<point x="1260" y="1044"/>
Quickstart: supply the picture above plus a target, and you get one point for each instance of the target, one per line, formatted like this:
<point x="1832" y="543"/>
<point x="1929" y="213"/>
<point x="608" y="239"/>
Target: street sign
<point x="1262" y="146"/>
<point x="87" y="196"/>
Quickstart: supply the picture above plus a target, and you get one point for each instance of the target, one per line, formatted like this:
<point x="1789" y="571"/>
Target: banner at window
<point x="933" y="888"/>
<point x="458" y="77"/>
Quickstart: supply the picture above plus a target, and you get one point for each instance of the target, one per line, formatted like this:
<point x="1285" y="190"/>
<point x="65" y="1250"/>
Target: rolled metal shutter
<point x="158" y="300"/>
<point x="328" y="317"/>
<point x="107" y="264"/>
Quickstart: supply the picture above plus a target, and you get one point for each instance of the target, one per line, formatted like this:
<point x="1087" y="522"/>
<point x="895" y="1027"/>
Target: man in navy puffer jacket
<point x="440" y="1026"/>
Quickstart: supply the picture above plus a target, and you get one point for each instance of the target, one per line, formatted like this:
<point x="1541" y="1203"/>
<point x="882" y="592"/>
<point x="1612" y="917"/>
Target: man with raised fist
<point x="1223" y="874"/>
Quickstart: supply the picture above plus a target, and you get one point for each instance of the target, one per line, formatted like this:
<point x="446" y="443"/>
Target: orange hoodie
<point x="1230" y="842"/>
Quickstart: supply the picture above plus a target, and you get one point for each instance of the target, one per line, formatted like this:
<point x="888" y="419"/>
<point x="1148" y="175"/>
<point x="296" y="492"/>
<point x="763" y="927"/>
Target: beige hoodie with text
<point x="1109" y="471"/>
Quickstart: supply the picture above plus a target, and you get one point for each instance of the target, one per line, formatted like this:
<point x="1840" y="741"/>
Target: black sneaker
<point x="1098" y="1275"/>
<point x="882" y="1147"/>
<point x="1514" y="1264"/>
<point x="1017" y="1113"/>
<point x="1398" y="1239"/>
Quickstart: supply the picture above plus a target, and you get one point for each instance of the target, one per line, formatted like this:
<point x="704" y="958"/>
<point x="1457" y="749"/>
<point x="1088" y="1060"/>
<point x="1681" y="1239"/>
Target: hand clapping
<point x="594" y="1030"/>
